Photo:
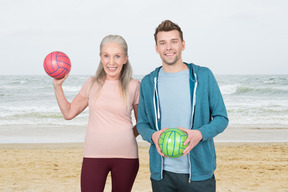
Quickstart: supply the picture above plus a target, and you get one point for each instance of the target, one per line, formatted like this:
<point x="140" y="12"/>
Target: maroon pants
<point x="95" y="170"/>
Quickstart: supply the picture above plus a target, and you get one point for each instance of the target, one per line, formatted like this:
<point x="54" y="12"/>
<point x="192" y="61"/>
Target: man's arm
<point x="217" y="107"/>
<point x="143" y="125"/>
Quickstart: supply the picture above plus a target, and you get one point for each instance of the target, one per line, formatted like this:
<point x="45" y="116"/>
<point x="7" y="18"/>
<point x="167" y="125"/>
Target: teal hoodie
<point x="209" y="116"/>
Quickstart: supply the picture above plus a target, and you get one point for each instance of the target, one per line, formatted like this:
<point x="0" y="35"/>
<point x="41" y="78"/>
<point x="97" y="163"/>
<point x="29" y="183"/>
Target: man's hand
<point x="193" y="138"/>
<point x="155" y="139"/>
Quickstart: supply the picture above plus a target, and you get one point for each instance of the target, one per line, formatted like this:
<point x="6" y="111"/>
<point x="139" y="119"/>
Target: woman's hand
<point x="59" y="82"/>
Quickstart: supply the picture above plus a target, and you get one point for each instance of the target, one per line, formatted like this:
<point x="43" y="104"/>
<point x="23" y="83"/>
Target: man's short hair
<point x="168" y="25"/>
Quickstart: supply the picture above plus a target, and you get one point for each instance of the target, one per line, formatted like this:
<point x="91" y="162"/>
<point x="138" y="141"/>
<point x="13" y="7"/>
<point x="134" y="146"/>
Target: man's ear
<point x="183" y="45"/>
<point x="156" y="48"/>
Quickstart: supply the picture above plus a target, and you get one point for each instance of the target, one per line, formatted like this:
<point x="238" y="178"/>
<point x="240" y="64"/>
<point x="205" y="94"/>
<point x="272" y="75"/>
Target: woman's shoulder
<point x="89" y="79"/>
<point x="134" y="81"/>
<point x="90" y="82"/>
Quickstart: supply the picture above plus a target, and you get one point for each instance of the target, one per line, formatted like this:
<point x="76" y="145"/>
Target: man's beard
<point x="171" y="62"/>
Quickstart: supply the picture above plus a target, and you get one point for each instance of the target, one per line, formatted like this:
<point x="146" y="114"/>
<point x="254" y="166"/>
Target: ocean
<point x="257" y="107"/>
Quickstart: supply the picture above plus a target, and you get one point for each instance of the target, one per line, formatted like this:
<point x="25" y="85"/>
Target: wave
<point x="38" y="118"/>
<point x="43" y="122"/>
<point x="72" y="88"/>
<point x="39" y="115"/>
<point x="33" y="111"/>
<point x="261" y="91"/>
<point x="256" y="91"/>
<point x="228" y="89"/>
<point x="249" y="99"/>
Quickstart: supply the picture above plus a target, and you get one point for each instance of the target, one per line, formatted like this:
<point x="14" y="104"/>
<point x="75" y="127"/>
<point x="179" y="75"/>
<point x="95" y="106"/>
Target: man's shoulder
<point x="151" y="75"/>
<point x="198" y="69"/>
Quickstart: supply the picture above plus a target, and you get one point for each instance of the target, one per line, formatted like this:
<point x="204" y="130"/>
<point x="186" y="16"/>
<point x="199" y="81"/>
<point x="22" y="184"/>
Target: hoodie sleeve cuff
<point x="204" y="134"/>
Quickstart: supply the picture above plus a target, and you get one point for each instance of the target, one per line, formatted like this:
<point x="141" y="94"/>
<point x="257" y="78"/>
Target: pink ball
<point x="57" y="64"/>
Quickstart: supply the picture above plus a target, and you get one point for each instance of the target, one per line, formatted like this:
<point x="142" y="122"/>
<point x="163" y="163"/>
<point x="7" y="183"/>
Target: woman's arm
<point x="69" y="110"/>
<point x="135" y="107"/>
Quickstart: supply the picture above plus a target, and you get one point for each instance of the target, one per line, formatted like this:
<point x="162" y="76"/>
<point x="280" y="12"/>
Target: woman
<point x="110" y="143"/>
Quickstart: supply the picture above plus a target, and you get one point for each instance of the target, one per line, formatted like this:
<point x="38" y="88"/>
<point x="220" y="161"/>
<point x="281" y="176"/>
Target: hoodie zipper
<point x="192" y="115"/>
<point x="157" y="116"/>
<point x="156" y="108"/>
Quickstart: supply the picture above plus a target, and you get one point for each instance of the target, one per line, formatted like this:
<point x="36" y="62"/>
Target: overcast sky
<point x="228" y="36"/>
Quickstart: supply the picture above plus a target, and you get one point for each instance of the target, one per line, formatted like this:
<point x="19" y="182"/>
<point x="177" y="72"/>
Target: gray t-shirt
<point x="175" y="105"/>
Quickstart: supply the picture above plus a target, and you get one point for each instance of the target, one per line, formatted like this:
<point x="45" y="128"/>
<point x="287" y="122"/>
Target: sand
<point x="56" y="167"/>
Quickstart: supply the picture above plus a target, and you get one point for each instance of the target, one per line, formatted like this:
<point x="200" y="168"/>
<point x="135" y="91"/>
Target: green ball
<point x="171" y="142"/>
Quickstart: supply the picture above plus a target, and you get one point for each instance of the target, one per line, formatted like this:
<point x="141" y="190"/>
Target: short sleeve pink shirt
<point x="110" y="128"/>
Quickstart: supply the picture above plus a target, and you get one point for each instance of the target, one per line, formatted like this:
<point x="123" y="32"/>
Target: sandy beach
<point x="56" y="167"/>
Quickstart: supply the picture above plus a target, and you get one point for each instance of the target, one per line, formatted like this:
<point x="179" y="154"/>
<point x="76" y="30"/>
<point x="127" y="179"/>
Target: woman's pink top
<point x="110" y="129"/>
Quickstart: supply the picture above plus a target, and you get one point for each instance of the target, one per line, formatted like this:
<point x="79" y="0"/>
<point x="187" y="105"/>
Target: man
<point x="185" y="96"/>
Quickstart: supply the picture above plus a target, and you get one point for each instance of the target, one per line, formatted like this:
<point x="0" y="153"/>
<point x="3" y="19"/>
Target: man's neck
<point x="177" y="67"/>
